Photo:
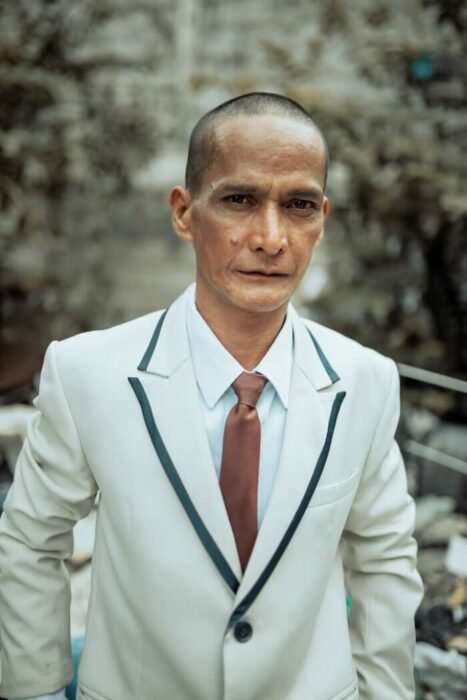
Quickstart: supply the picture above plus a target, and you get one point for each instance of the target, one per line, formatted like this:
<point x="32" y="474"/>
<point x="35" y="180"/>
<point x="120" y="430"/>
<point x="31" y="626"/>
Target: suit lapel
<point x="168" y="395"/>
<point x="311" y="420"/>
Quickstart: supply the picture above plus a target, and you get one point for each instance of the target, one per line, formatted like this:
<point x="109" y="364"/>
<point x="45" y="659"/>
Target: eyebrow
<point x="308" y="192"/>
<point x="238" y="188"/>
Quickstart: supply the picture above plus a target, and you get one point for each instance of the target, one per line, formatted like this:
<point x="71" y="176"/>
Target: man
<point x="245" y="460"/>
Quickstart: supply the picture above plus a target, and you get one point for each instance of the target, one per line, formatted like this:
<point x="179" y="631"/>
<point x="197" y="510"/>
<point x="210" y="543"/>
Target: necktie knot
<point x="248" y="388"/>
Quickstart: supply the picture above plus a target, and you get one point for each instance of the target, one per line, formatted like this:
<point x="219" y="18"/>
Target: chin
<point x="259" y="302"/>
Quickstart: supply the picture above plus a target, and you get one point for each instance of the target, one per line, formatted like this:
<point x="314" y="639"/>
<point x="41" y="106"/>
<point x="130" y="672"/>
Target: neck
<point x="246" y="335"/>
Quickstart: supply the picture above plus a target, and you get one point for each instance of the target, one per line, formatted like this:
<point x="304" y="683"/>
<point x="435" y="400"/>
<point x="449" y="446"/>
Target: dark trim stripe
<point x="332" y="374"/>
<point x="143" y="365"/>
<point x="201" y="530"/>
<point x="250" y="597"/>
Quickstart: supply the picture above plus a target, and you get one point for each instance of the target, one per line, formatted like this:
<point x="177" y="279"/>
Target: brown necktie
<point x="240" y="463"/>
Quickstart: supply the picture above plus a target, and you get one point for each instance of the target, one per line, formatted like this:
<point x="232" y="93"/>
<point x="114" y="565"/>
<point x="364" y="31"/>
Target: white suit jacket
<point x="118" y="413"/>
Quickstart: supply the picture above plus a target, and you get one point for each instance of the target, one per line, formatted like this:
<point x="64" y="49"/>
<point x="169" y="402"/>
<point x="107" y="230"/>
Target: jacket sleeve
<point x="58" y="695"/>
<point x="379" y="555"/>
<point x="53" y="488"/>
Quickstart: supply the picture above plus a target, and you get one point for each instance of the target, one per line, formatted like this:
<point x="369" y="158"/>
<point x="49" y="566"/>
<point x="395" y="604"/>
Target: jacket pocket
<point x="349" y="693"/>
<point x="330" y="493"/>
<point x="85" y="693"/>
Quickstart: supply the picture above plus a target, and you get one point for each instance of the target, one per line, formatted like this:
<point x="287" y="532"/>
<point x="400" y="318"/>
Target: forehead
<point x="265" y="146"/>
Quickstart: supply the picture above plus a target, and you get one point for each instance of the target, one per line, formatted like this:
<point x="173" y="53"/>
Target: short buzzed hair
<point x="202" y="145"/>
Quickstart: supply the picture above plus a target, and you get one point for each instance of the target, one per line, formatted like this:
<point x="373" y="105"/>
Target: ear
<point x="179" y="201"/>
<point x="326" y="209"/>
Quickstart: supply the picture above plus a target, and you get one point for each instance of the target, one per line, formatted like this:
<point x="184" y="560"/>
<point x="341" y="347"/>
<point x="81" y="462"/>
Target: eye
<point x="236" y="198"/>
<point x="301" y="204"/>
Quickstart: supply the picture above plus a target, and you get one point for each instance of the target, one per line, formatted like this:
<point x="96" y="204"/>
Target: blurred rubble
<point x="440" y="625"/>
<point x="439" y="532"/>
<point x="13" y="424"/>
<point x="441" y="621"/>
<point x="456" y="557"/>
<point x="431" y="507"/>
<point x="444" y="672"/>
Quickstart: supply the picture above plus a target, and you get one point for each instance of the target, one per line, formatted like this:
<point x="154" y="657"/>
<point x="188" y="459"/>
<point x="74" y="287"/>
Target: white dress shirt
<point x="215" y="369"/>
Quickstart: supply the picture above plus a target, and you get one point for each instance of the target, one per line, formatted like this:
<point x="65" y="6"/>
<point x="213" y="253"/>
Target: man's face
<point x="259" y="213"/>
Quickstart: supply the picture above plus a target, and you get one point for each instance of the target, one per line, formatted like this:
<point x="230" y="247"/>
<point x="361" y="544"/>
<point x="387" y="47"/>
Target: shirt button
<point x="243" y="631"/>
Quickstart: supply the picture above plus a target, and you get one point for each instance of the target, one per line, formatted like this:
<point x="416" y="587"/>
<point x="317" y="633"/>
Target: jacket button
<point x="243" y="631"/>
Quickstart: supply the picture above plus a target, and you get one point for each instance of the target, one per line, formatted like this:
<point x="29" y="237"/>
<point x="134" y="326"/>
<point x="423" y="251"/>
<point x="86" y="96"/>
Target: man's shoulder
<point x="349" y="358"/>
<point x="125" y="341"/>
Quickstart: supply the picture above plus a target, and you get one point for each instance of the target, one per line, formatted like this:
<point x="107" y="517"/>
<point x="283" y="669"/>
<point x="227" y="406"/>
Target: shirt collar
<point x="215" y="368"/>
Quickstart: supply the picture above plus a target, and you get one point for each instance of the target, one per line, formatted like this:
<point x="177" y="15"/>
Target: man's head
<point x="203" y="142"/>
<point x="254" y="204"/>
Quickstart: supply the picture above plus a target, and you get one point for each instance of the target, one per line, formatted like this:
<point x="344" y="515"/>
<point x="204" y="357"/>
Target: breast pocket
<point x="84" y="693"/>
<point x="330" y="493"/>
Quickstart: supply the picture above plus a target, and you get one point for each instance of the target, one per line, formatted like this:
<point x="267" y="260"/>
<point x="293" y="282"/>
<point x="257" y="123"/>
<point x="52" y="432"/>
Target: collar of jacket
<point x="168" y="346"/>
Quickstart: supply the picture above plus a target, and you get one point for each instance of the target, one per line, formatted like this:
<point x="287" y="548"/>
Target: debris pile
<point x="441" y="621"/>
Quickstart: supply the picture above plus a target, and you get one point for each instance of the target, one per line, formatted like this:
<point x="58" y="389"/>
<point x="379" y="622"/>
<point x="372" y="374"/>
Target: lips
<point x="262" y="273"/>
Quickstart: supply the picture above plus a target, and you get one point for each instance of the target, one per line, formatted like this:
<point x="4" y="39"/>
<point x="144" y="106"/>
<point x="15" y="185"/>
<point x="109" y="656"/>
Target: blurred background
<point x="97" y="100"/>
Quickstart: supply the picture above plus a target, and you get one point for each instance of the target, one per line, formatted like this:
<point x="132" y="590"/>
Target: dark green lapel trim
<point x="332" y="374"/>
<point x="177" y="484"/>
<point x="242" y="607"/>
<point x="143" y="365"/>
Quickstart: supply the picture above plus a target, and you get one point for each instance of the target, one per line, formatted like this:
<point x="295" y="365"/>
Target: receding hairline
<point x="203" y="145"/>
<point x="219" y="122"/>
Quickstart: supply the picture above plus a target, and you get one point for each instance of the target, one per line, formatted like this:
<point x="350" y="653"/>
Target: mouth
<point x="261" y="274"/>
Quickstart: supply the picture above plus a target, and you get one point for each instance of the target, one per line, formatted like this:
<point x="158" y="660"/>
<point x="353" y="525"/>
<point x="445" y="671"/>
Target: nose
<point x="269" y="234"/>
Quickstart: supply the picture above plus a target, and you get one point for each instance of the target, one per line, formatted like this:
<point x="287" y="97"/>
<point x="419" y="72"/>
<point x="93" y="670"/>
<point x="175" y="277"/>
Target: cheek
<point x="302" y="247"/>
<point x="225" y="232"/>
<point x="214" y="251"/>
<point x="221" y="241"/>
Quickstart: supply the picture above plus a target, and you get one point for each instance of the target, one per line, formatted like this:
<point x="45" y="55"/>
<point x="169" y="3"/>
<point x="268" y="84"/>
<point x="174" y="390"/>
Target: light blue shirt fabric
<point x="215" y="369"/>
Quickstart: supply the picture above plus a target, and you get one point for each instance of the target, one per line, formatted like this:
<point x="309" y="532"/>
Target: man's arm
<point x="379" y="556"/>
<point x="53" y="488"/>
